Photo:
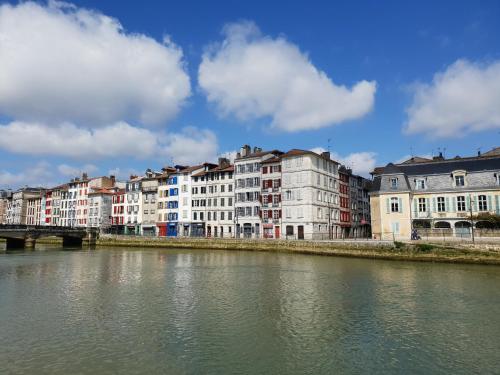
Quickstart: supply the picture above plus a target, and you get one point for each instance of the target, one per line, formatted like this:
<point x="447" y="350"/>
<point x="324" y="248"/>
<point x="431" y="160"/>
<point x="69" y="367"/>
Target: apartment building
<point x="247" y="176"/>
<point x="149" y="189"/>
<point x="344" y="230"/>
<point x="100" y="206"/>
<point x="271" y="196"/>
<point x="217" y="183"/>
<point x="17" y="211"/>
<point x="34" y="208"/>
<point x="427" y="194"/>
<point x="118" y="211"/>
<point x="5" y="199"/>
<point x="133" y="206"/>
<point x="199" y="200"/>
<point x="310" y="195"/>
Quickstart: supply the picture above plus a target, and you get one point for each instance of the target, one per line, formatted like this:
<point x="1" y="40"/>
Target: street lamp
<point x="471" y="217"/>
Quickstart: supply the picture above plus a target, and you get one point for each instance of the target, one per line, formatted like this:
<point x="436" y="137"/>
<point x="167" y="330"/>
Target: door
<point x="300" y="232"/>
<point x="276" y="232"/>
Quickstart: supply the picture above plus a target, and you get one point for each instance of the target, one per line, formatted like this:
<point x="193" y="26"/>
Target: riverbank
<point x="421" y="252"/>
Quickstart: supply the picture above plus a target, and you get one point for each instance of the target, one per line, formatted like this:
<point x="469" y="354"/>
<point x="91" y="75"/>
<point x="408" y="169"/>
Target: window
<point x="461" y="203"/>
<point x="394" y="183"/>
<point x="394" y="205"/>
<point x="440" y="203"/>
<point x="422" y="206"/>
<point x="482" y="205"/>
<point x="459" y="180"/>
<point x="420" y="184"/>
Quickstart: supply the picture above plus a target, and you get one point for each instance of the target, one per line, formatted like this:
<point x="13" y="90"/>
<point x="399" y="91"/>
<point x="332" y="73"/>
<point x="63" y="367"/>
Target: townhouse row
<point x="297" y="194"/>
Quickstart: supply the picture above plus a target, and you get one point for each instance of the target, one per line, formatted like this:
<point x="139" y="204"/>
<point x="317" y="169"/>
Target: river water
<point x="216" y="312"/>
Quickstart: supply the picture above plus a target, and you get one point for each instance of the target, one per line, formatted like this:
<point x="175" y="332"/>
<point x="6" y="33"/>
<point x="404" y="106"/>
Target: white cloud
<point x="464" y="98"/>
<point x="114" y="141"/>
<point x="60" y="63"/>
<point x="40" y="174"/>
<point x="253" y="76"/>
<point x="73" y="171"/>
<point x="191" y="146"/>
<point x="361" y="163"/>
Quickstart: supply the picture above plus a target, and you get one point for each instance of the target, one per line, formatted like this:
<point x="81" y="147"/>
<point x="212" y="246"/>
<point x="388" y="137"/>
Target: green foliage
<point x="424" y="247"/>
<point x="487" y="220"/>
<point x="399" y="245"/>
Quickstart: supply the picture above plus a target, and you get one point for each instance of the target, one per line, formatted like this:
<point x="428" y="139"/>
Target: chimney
<point x="245" y="150"/>
<point x="84" y="176"/>
<point x="132" y="176"/>
<point x="238" y="155"/>
<point x="223" y="162"/>
<point x="478" y="152"/>
<point x="113" y="180"/>
<point x="326" y="155"/>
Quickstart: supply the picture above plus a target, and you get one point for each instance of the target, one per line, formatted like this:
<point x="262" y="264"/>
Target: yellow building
<point x="435" y="197"/>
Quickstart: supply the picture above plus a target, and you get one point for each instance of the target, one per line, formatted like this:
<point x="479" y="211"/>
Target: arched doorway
<point x="462" y="229"/>
<point x="421" y="224"/>
<point x="442" y="225"/>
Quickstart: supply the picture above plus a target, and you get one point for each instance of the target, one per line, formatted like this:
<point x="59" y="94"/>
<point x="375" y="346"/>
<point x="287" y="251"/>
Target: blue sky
<point x="399" y="47"/>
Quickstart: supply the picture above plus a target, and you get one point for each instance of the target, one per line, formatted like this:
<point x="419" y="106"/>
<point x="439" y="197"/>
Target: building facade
<point x="248" y="188"/>
<point x="439" y="194"/>
<point x="310" y="195"/>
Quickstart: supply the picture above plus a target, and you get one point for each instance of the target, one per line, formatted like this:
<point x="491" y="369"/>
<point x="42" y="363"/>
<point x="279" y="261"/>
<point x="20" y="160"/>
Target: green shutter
<point x="447" y="207"/>
<point x="454" y="204"/>
<point x="388" y="204"/>
<point x="497" y="205"/>
<point x="467" y="203"/>
<point x="415" y="206"/>
<point x="475" y="203"/>
<point x="427" y="205"/>
<point x="434" y="206"/>
<point x="490" y="206"/>
<point x="400" y="204"/>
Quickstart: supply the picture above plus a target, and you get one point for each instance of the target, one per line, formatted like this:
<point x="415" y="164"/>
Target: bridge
<point x="25" y="236"/>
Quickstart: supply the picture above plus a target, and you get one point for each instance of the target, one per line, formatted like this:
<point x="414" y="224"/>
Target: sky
<point x="117" y="87"/>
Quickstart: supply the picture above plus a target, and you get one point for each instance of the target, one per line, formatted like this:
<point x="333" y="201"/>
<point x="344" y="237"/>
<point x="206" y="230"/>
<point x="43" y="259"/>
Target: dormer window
<point x="394" y="183"/>
<point x="459" y="180"/>
<point x="420" y="184"/>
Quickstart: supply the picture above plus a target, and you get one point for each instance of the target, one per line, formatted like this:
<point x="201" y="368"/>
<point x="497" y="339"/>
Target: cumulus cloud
<point x="116" y="140"/>
<point x="251" y="76"/>
<point x="464" y="98"/>
<point x="361" y="163"/>
<point x="40" y="174"/>
<point x="191" y="146"/>
<point x="69" y="170"/>
<point x="60" y="63"/>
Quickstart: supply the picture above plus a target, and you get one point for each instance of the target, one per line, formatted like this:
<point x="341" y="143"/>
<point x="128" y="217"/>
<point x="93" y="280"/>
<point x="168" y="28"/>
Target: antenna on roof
<point x="329" y="139"/>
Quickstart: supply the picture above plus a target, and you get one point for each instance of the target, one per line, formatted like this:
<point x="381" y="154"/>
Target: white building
<point x="133" y="206"/>
<point x="149" y="189"/>
<point x="219" y="197"/>
<point x="199" y="200"/>
<point x="310" y="195"/>
<point x="99" y="209"/>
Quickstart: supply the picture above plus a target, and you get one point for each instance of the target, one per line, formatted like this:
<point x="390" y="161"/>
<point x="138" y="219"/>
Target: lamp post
<point x="471" y="218"/>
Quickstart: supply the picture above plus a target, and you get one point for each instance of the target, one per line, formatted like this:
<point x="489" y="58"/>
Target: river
<point x="220" y="312"/>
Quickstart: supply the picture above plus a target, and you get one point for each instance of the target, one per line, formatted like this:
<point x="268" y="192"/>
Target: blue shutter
<point x="415" y="206"/>
<point x="447" y="207"/>
<point x="467" y="203"/>
<point x="427" y="205"/>
<point x="454" y="204"/>
<point x="490" y="206"/>
<point x="434" y="207"/>
<point x="497" y="204"/>
<point x="475" y="203"/>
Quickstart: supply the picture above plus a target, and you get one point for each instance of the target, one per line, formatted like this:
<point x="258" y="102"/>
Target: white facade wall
<point x="310" y="197"/>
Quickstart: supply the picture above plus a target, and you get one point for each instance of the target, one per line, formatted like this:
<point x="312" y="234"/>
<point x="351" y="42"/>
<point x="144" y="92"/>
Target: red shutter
<point x="264" y="170"/>
<point x="270" y="214"/>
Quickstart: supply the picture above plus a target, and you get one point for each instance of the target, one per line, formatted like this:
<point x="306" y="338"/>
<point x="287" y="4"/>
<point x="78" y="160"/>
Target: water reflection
<point x="113" y="311"/>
